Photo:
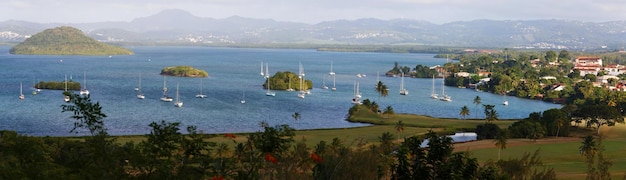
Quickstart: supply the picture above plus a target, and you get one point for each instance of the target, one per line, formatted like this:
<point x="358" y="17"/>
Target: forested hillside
<point x="66" y="41"/>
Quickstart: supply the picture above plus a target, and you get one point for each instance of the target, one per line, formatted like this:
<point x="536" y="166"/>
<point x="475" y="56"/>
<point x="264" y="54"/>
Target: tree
<point x="388" y="111"/>
<point x="296" y="116"/>
<point x="386" y="142"/>
<point x="490" y="113"/>
<point x="589" y="148"/>
<point x="400" y="128"/>
<point x="382" y="90"/>
<point x="86" y="113"/>
<point x="464" y="111"/>
<point x="501" y="140"/>
<point x="599" y="115"/>
<point x="477" y="102"/>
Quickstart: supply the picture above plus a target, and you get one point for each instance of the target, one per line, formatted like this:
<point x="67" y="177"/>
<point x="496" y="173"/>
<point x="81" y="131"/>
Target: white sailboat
<point x="324" y="83"/>
<point x="290" y="89"/>
<point x="302" y="92"/>
<point x="139" y="94"/>
<point x="84" y="91"/>
<point x="21" y="94"/>
<point x="333" y="88"/>
<point x="66" y="98"/>
<point x="243" y="98"/>
<point x="261" y="73"/>
<point x="432" y="93"/>
<point x="178" y="103"/>
<point x="332" y="73"/>
<point x="200" y="95"/>
<point x="165" y="98"/>
<point x="269" y="89"/>
<point x="403" y="91"/>
<point x="444" y="97"/>
<point x="35" y="91"/>
<point x="505" y="102"/>
<point x="357" y="95"/>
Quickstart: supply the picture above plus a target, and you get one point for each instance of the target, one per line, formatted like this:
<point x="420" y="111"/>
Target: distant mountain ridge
<point x="181" y="27"/>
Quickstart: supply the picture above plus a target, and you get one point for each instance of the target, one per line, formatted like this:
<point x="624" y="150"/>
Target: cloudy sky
<point x="315" y="11"/>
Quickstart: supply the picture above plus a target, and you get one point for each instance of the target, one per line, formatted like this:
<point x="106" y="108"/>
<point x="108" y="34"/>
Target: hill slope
<point x="66" y="41"/>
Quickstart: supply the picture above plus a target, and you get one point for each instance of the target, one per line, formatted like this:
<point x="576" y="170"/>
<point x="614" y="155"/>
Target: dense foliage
<point x="285" y="80"/>
<point x="66" y="41"/>
<point x="71" y="85"/>
<point x="184" y="71"/>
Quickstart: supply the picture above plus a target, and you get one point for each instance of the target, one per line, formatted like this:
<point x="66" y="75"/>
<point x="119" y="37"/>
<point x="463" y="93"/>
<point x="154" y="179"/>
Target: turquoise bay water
<point x="232" y="71"/>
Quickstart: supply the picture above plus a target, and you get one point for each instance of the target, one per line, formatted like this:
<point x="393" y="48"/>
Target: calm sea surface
<point x="232" y="72"/>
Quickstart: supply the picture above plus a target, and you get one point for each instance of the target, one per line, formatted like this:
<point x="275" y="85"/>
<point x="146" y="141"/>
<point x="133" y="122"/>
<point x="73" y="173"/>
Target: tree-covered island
<point x="58" y="85"/>
<point x="66" y="41"/>
<point x="184" y="71"/>
<point x="285" y="80"/>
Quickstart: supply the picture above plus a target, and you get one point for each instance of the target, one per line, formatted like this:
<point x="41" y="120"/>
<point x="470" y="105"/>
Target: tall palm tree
<point x="400" y="128"/>
<point x="477" y="102"/>
<point x="464" y="111"/>
<point x="382" y="90"/>
<point x="295" y="116"/>
<point x="386" y="142"/>
<point x="501" y="140"/>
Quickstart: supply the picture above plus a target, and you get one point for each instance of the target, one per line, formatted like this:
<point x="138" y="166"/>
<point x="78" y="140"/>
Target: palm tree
<point x="501" y="140"/>
<point x="388" y="111"/>
<point x="589" y="147"/>
<point x="386" y="142"/>
<point x="477" y="102"/>
<point x="490" y="113"/>
<point x="295" y="116"/>
<point x="464" y="111"/>
<point x="400" y="128"/>
<point x="382" y="90"/>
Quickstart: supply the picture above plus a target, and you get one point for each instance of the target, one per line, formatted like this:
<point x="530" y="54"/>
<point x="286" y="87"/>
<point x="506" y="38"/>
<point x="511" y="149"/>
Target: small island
<point x="184" y="71"/>
<point x="286" y="80"/>
<point x="58" y="85"/>
<point x="66" y="41"/>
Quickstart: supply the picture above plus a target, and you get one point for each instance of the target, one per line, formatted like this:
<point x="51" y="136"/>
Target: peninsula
<point x="66" y="41"/>
<point x="184" y="71"/>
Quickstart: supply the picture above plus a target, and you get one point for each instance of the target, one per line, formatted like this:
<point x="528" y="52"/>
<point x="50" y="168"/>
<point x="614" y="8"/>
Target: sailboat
<point x="505" y="102"/>
<point x="267" y="75"/>
<point x="333" y="88"/>
<point x="139" y="94"/>
<point x="178" y="103"/>
<point x="165" y="98"/>
<point x="290" y="89"/>
<point x="357" y="96"/>
<point x="243" y="99"/>
<point x="200" y="95"/>
<point x="332" y="73"/>
<point x="261" y="73"/>
<point x="444" y="97"/>
<point x="324" y="83"/>
<point x="84" y="91"/>
<point x="21" y="94"/>
<point x="35" y="91"/>
<point x="432" y="93"/>
<point x="402" y="90"/>
<point x="302" y="92"/>
<point x="66" y="98"/>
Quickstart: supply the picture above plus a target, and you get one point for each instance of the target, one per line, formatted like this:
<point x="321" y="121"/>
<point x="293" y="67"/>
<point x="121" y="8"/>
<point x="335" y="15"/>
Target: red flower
<point x="316" y="158"/>
<point x="232" y="136"/>
<point x="217" y="178"/>
<point x="270" y="158"/>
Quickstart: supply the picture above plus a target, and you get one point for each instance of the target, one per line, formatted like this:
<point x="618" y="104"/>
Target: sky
<point x="315" y="11"/>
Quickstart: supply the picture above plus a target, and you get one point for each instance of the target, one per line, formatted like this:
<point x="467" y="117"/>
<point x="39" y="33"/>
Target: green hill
<point x="282" y="80"/>
<point x="66" y="41"/>
<point x="184" y="71"/>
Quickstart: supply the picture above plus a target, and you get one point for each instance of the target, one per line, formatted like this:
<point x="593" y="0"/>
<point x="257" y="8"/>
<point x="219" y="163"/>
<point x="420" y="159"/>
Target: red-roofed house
<point x="588" y="65"/>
